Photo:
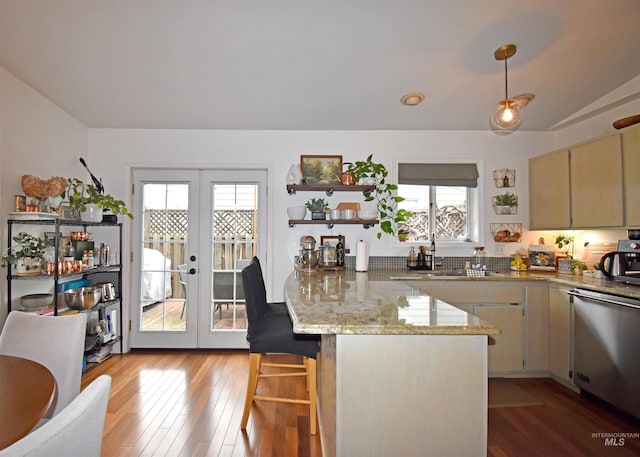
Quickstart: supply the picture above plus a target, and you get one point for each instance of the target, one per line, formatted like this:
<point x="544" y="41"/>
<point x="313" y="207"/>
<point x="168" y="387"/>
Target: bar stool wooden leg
<point x="254" y="370"/>
<point x="311" y="383"/>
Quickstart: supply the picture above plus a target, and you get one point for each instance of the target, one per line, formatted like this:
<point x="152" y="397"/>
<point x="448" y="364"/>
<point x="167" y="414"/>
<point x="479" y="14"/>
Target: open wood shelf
<point x="331" y="222"/>
<point x="329" y="189"/>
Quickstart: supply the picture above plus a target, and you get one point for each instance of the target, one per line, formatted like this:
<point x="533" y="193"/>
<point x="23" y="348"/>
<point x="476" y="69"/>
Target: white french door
<point x="195" y="231"/>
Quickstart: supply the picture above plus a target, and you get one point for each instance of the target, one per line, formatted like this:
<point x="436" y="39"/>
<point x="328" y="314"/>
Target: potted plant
<point x="506" y="203"/>
<point x="384" y="194"/>
<point x="564" y="243"/>
<point x="597" y="271"/>
<point x="318" y="208"/>
<point x="578" y="266"/>
<point x="27" y="254"/>
<point x="91" y="203"/>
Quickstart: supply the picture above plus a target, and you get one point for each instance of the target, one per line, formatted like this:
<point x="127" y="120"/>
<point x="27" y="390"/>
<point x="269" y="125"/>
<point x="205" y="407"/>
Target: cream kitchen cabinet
<point x="499" y="304"/>
<point x="579" y="187"/>
<point x="505" y="350"/>
<point x="596" y="183"/>
<point x="631" y="161"/>
<point x="549" y="197"/>
<point x="560" y="335"/>
<point x="537" y="325"/>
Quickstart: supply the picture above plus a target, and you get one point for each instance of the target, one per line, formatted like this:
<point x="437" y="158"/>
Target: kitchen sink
<point x="438" y="274"/>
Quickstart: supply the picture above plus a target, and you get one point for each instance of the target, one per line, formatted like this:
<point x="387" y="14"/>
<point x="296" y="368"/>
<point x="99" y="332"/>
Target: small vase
<point x="91" y="214"/>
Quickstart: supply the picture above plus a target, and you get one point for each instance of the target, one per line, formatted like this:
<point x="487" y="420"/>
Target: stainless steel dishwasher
<point x="607" y="347"/>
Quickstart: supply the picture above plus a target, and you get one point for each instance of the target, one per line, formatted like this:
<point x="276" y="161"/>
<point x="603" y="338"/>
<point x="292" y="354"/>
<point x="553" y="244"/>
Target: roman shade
<point x="438" y="174"/>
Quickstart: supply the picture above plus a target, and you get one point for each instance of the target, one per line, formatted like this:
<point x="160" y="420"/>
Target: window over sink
<point x="443" y="199"/>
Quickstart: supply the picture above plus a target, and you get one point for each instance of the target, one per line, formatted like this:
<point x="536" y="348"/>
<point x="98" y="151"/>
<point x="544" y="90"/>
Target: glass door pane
<point x="163" y="316"/>
<point x="234" y="202"/>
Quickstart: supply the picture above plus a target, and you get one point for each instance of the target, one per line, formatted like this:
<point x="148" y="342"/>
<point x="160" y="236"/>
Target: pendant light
<point x="507" y="118"/>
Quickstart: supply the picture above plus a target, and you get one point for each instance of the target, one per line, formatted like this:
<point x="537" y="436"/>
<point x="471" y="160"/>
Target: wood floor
<point x="189" y="403"/>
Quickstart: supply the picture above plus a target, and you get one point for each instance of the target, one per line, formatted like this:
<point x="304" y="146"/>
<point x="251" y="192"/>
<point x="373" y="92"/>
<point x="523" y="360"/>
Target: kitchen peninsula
<point x="400" y="372"/>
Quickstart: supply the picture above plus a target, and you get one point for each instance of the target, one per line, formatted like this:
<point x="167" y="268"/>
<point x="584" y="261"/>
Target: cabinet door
<point x="596" y="184"/>
<point x="560" y="360"/>
<point x="549" y="206"/>
<point x="536" y="328"/>
<point x="505" y="350"/>
<point x="631" y="160"/>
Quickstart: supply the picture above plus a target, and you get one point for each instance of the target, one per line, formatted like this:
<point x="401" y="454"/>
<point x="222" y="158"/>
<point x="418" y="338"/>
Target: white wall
<point x="600" y="115"/>
<point x="37" y="138"/>
<point x="116" y="151"/>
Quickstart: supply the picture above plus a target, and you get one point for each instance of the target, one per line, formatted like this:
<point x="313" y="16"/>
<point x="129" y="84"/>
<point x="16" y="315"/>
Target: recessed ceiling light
<point x="412" y="98"/>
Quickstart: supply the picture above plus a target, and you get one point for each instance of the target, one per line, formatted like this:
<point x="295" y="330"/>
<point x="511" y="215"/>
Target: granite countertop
<point x="598" y="285"/>
<point x="371" y="304"/>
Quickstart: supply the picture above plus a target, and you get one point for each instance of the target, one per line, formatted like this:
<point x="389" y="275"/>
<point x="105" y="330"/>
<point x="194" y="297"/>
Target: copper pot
<point x="346" y="178"/>
<point x="79" y="236"/>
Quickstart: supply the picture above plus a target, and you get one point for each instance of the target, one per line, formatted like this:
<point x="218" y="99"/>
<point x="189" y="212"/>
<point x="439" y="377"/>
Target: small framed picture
<point x="320" y="169"/>
<point x="332" y="240"/>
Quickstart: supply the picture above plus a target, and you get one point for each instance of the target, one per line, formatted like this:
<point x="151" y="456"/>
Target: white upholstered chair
<point x="76" y="431"/>
<point x="57" y="342"/>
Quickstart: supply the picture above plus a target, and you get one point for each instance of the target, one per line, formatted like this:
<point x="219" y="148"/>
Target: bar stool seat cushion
<point x="274" y="335"/>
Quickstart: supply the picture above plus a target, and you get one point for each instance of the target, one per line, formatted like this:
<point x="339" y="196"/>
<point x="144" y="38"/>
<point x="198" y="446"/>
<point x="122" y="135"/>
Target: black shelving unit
<point x="97" y="275"/>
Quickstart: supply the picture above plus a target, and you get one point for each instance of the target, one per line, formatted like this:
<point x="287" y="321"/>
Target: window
<point x="442" y="199"/>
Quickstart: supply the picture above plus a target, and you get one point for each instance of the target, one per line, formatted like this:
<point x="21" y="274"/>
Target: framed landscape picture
<point x="320" y="169"/>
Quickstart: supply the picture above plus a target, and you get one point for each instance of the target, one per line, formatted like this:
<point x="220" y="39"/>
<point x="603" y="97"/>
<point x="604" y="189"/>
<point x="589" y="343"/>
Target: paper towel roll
<point x="362" y="256"/>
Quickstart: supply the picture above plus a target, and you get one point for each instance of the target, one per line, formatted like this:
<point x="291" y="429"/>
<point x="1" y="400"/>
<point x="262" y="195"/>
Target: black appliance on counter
<point x="624" y="264"/>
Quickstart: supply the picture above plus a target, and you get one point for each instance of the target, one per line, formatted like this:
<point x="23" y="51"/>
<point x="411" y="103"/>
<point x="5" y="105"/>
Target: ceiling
<point x="317" y="64"/>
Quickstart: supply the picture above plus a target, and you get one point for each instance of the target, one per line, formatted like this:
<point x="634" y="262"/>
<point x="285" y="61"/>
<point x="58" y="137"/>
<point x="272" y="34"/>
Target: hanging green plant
<point x="384" y="195"/>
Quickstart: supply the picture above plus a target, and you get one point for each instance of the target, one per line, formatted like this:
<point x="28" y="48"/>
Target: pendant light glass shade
<point x="506" y="118"/>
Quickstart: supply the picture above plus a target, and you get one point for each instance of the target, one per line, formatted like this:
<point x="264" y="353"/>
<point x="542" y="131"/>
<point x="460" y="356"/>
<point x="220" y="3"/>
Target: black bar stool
<point x="273" y="333"/>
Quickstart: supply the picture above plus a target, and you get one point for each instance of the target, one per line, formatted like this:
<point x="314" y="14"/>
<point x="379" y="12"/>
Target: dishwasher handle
<point x="609" y="301"/>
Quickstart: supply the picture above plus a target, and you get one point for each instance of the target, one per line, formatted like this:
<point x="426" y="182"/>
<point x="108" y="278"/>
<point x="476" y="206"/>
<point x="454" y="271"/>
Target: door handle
<point x="191" y="271"/>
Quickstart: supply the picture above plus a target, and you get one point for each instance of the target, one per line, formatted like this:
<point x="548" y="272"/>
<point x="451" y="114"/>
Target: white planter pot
<point x="564" y="265"/>
<point x="92" y="213"/>
<point x="28" y="266"/>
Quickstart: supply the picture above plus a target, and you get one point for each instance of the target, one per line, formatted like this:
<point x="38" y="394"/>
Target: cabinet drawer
<point x="494" y="294"/>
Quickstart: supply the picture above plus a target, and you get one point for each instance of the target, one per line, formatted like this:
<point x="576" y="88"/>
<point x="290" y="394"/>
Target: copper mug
<point x="50" y="268"/>
<point x="76" y="266"/>
<point x="67" y="267"/>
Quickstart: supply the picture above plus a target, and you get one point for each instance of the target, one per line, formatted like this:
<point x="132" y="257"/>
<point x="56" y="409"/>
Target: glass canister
<point x="327" y="255"/>
<point x="479" y="260"/>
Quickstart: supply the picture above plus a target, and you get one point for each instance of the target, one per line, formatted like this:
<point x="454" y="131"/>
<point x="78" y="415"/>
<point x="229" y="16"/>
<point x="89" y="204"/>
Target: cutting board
<point x="349" y="205"/>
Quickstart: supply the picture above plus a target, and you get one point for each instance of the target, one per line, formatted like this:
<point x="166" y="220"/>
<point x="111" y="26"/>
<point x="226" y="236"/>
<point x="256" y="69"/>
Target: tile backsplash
<point x="442" y="263"/>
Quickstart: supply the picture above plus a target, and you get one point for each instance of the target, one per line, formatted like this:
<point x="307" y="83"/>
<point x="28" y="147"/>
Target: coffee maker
<point x="308" y="256"/>
<point x="624" y="264"/>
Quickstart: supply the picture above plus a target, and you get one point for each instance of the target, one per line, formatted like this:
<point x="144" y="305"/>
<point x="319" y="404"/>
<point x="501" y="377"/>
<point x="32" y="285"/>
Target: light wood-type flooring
<point x="189" y="403"/>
